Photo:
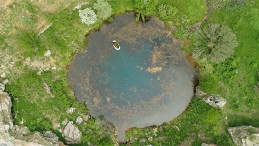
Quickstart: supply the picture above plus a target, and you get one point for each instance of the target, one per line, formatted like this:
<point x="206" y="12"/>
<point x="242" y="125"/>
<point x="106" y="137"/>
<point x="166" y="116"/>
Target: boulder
<point x="71" y="133"/>
<point x="245" y="135"/>
<point x="215" y="101"/>
<point x="79" y="120"/>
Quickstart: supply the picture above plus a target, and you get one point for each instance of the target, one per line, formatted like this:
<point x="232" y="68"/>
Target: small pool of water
<point x="147" y="82"/>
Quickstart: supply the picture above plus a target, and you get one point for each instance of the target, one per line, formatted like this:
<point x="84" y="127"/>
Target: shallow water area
<point x="147" y="82"/>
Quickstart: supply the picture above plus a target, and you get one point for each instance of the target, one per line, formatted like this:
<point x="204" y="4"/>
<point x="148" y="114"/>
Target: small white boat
<point x="116" y="45"/>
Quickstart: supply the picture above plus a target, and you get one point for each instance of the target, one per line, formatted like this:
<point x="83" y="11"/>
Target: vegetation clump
<point x="87" y="16"/>
<point x="146" y="7"/>
<point x="217" y="43"/>
<point x="103" y="8"/>
<point x="167" y="12"/>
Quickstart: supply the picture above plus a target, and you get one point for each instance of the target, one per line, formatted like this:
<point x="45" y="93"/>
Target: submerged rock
<point x="245" y="135"/>
<point x="71" y="133"/>
<point x="215" y="101"/>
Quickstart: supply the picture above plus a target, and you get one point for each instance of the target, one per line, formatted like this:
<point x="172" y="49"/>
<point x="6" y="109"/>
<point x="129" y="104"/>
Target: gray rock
<point x="71" y="110"/>
<point x="245" y="135"/>
<point x="5" y="81"/>
<point x="79" y="120"/>
<point x="47" y="88"/>
<point x="71" y="133"/>
<point x="199" y="92"/>
<point x="65" y="122"/>
<point x="20" y="130"/>
<point x="50" y="136"/>
<point x="3" y="75"/>
<point x="150" y="139"/>
<point x="47" y="53"/>
<point x="2" y="87"/>
<point x="5" y="110"/>
<point x="143" y="140"/>
<point x="86" y="117"/>
<point x="215" y="101"/>
<point x="16" y="135"/>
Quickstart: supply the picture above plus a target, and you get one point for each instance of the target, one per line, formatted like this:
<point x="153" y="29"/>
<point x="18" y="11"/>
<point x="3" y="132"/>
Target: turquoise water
<point x="147" y="82"/>
<point x="126" y="77"/>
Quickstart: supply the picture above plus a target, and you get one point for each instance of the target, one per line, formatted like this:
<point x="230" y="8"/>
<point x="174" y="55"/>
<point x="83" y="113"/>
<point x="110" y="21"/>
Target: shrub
<point x="217" y="43"/>
<point x="87" y="16"/>
<point x="217" y="4"/>
<point x="167" y="12"/>
<point x="146" y="7"/>
<point x="103" y="8"/>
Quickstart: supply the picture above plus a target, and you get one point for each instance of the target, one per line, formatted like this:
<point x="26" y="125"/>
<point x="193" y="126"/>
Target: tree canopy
<point x="103" y="8"/>
<point x="217" y="43"/>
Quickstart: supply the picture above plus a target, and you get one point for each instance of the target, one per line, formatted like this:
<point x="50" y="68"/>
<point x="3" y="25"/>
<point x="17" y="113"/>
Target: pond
<point x="148" y="81"/>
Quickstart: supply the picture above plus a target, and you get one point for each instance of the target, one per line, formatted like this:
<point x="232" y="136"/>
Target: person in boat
<point x="116" y="45"/>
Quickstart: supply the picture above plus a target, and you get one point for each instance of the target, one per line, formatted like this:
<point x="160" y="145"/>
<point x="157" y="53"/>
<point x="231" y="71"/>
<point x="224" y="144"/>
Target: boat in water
<point x="116" y="45"/>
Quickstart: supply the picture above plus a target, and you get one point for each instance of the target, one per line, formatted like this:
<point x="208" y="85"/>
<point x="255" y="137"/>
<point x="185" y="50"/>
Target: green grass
<point x="192" y="10"/>
<point x="199" y="119"/>
<point x="240" y="74"/>
<point x="235" y="79"/>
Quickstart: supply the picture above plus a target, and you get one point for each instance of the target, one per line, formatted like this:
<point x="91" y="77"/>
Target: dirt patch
<point x="52" y="6"/>
<point x="5" y="3"/>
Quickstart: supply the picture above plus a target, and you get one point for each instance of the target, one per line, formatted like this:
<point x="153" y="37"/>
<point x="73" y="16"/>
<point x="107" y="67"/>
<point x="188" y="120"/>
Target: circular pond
<point x="147" y="82"/>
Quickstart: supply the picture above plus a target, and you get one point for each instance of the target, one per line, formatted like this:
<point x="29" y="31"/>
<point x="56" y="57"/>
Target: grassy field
<point x="29" y="28"/>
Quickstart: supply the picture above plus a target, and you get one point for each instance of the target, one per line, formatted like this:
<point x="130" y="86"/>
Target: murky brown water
<point x="147" y="82"/>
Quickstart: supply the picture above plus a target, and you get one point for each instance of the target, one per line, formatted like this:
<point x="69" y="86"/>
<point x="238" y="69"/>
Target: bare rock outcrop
<point x="50" y="136"/>
<point x="215" y="101"/>
<point x="245" y="135"/>
<point x="5" y="112"/>
<point x="11" y="135"/>
<point x="71" y="133"/>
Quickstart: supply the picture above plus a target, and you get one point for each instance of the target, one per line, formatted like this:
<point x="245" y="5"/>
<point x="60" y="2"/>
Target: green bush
<point x="147" y="7"/>
<point x="30" y="43"/>
<point x="217" y="43"/>
<point x="167" y="12"/>
<point x="103" y="8"/>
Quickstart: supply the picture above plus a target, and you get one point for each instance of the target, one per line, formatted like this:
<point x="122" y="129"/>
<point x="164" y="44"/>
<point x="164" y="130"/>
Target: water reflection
<point x="147" y="82"/>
